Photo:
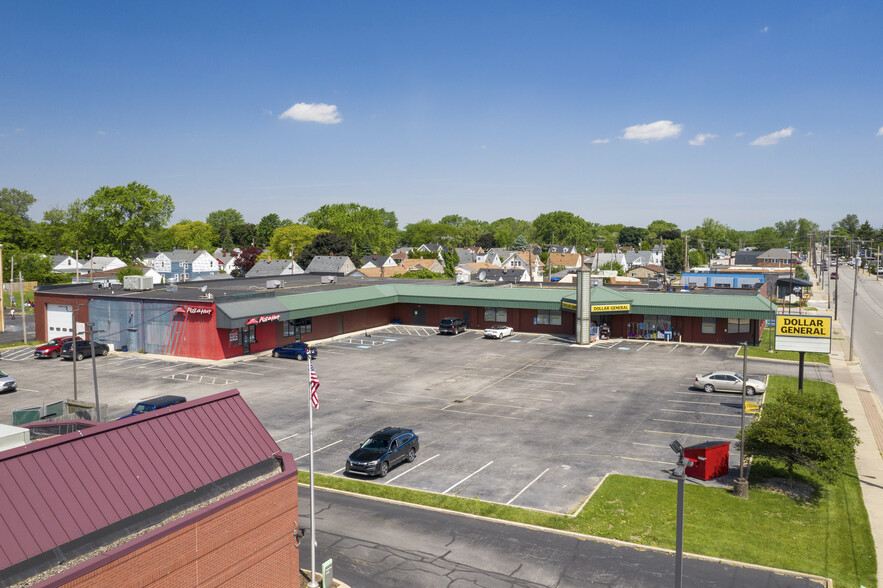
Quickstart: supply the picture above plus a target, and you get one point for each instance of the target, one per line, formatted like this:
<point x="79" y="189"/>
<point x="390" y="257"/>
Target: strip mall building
<point x="225" y="318"/>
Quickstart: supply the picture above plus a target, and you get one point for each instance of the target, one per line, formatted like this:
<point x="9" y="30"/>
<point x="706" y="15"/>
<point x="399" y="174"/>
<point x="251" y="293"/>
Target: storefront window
<point x="495" y="315"/>
<point x="738" y="325"/>
<point x="297" y="327"/>
<point x="548" y="317"/>
<point x="709" y="326"/>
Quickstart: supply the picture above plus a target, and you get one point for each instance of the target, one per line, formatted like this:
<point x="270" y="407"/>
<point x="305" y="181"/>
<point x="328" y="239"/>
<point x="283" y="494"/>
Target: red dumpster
<point x="710" y="460"/>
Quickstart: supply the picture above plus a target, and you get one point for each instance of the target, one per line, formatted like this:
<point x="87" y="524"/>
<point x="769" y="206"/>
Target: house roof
<point x="273" y="267"/>
<point x="183" y="254"/>
<point x="565" y="259"/>
<point x="430" y="264"/>
<point x="57" y="490"/>
<point x="328" y="264"/>
<point x="382" y="272"/>
<point x="651" y="267"/>
<point x="776" y="253"/>
<point x="466" y="254"/>
<point x="377" y="260"/>
<point x="496" y="274"/>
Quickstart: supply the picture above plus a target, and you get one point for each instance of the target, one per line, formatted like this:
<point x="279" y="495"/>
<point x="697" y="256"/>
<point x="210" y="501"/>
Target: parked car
<point x="84" y="349"/>
<point x="154" y="404"/>
<point x="728" y="382"/>
<point x="295" y="351"/>
<point x="7" y="383"/>
<point x="451" y="326"/>
<point x="383" y="450"/>
<point x="52" y="349"/>
<point x="833" y="275"/>
<point x="498" y="331"/>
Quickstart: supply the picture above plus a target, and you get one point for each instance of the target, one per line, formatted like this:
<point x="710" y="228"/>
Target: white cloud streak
<point x="880" y="132"/>
<point x="773" y="138"/>
<point x="701" y="138"/>
<point x="600" y="141"/>
<point x="661" y="129"/>
<point x="325" y="114"/>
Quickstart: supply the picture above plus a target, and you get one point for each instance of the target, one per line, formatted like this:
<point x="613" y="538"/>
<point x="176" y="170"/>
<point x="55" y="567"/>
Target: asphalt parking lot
<point x="530" y="420"/>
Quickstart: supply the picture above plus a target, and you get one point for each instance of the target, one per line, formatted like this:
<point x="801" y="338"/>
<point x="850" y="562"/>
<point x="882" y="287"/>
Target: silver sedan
<point x="728" y="382"/>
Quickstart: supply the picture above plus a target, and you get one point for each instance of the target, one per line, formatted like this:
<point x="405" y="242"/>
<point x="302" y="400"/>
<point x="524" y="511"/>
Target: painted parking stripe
<point x="467" y="477"/>
<point x="675" y="347"/>
<point x="704" y="350"/>
<point x="501" y="379"/>
<point x="412" y="469"/>
<point x="284" y="438"/>
<point x="491" y="416"/>
<point x="693" y="402"/>
<point x="533" y="381"/>
<point x="651" y="445"/>
<point x="335" y="472"/>
<point x="675" y="434"/>
<point x="723" y="414"/>
<point x="642" y="346"/>
<point x="528" y="486"/>
<point x="318" y="450"/>
<point x="696" y="423"/>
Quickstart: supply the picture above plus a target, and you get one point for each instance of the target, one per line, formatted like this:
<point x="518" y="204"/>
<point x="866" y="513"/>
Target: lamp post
<point x="91" y="332"/>
<point x="854" y="290"/>
<point x="679" y="473"/>
<point x="740" y="486"/>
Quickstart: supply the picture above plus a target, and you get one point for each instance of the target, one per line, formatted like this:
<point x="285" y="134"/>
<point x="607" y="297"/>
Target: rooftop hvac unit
<point x="274" y="284"/>
<point x="137" y="282"/>
<point x="463" y="278"/>
<point x="328" y="279"/>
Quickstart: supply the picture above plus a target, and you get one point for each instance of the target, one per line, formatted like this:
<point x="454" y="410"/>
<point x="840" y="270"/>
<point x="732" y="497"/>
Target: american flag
<point x="314" y="387"/>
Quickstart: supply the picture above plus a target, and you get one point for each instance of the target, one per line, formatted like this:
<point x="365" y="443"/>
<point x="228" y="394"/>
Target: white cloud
<point x="317" y="112"/>
<point x="600" y="141"/>
<point x="102" y="132"/>
<point x="773" y="138"/>
<point x="765" y="30"/>
<point x="739" y="134"/>
<point x="880" y="132"/>
<point x="701" y="138"/>
<point x="661" y="129"/>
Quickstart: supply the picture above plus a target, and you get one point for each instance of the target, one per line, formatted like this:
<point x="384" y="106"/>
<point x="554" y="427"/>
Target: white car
<point x="728" y="382"/>
<point x="498" y="332"/>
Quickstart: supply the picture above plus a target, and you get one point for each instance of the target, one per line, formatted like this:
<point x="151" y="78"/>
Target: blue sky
<point x="485" y="109"/>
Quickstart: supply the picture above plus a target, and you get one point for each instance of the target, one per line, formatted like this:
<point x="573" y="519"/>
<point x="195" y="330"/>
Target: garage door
<point x="58" y="321"/>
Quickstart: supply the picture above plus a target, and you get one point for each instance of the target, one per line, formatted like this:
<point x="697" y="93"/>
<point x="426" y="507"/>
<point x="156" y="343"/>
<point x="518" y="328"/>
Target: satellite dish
<point x="204" y="288"/>
<point x="482" y="275"/>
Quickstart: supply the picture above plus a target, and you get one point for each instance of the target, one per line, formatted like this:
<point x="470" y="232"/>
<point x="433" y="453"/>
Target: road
<point x="868" y="321"/>
<point x="380" y="544"/>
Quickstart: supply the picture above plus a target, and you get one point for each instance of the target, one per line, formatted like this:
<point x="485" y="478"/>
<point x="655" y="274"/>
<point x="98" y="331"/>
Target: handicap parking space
<point x="17" y="354"/>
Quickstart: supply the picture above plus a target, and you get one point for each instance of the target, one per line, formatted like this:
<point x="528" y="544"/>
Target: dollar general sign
<point x="803" y="333"/>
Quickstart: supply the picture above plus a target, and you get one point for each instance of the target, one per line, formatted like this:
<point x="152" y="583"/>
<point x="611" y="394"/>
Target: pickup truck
<point x="498" y="332"/>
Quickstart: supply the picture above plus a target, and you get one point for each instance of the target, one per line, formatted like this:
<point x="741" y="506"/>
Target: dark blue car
<point x="296" y="351"/>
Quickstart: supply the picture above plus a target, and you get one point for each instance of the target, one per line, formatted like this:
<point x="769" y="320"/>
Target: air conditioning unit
<point x="463" y="278"/>
<point x="274" y="284"/>
<point x="137" y="283"/>
<point x="328" y="279"/>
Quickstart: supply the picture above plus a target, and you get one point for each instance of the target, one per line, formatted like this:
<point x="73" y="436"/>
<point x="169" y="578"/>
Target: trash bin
<point x="710" y="460"/>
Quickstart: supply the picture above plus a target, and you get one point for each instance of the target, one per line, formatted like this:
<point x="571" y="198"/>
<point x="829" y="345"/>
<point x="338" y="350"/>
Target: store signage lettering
<point x="611" y="307"/>
<point x="568" y="305"/>
<point x="803" y="326"/>
<point x="199" y="310"/>
<point x="269" y="318"/>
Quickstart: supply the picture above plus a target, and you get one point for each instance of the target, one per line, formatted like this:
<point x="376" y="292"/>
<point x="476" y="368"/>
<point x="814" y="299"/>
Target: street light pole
<point x="91" y="332"/>
<point x="679" y="473"/>
<point x="740" y="487"/>
<point x="854" y="290"/>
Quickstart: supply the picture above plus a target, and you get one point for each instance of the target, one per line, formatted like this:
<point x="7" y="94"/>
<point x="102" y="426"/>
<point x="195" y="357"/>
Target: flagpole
<point x="312" y="583"/>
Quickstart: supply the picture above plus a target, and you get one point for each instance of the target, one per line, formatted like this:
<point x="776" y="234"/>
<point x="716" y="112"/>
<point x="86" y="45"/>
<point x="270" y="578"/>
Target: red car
<point x="52" y="349"/>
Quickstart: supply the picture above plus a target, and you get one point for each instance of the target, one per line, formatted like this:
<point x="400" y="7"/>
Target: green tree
<point x="520" y="243"/>
<point x="848" y="225"/>
<point x="506" y="229"/>
<point x="485" y="241"/>
<point x="426" y="231"/>
<point x="632" y="236"/>
<point x="808" y="428"/>
<point x="423" y="274"/>
<point x="561" y="227"/>
<point x="53" y="231"/>
<point x="129" y="270"/>
<point x="325" y="243"/>
<point x="121" y="221"/>
<point x="866" y="232"/>
<point x="673" y="258"/>
<point x="189" y="234"/>
<point x="766" y="238"/>
<point x="659" y="228"/>
<point x="15" y="202"/>
<point x="370" y="230"/>
<point x="451" y="260"/>
<point x="223" y="220"/>
<point x="615" y="266"/>
<point x="267" y="225"/>
<point x="291" y="238"/>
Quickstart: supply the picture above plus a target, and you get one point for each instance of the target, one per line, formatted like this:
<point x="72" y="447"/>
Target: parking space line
<point x="501" y="379"/>
<point x="492" y="416"/>
<point x="693" y="402"/>
<point x="670" y="434"/>
<point x="335" y="472"/>
<point x="284" y="438"/>
<point x="318" y="450"/>
<point x="642" y="346"/>
<point x="696" y="423"/>
<point x="704" y="350"/>
<point x="532" y="381"/>
<point x="233" y="370"/>
<point x="467" y="477"/>
<point x="528" y="486"/>
<point x="412" y="469"/>
<point x="126" y="366"/>
<point x="736" y="415"/>
<point x="650" y="445"/>
<point x="159" y="369"/>
<point x="675" y="347"/>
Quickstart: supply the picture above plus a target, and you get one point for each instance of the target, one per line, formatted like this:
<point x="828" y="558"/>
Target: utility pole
<point x="828" y="272"/>
<point x="790" y="272"/>
<point x="686" y="256"/>
<point x="854" y="289"/>
<point x="2" y="301"/>
<point x="24" y="322"/>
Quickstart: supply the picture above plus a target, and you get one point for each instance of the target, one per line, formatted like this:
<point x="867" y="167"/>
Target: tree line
<point x="130" y="221"/>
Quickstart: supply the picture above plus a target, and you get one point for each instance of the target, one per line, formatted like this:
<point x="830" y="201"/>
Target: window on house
<point x="548" y="317"/>
<point x="738" y="325"/>
<point x="709" y="326"/>
<point x="495" y="315"/>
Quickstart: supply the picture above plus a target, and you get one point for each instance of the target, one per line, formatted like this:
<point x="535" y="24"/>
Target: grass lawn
<point x="761" y="350"/>
<point x="828" y="536"/>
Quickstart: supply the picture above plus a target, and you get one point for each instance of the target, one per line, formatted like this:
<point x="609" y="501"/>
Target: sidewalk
<point x="862" y="405"/>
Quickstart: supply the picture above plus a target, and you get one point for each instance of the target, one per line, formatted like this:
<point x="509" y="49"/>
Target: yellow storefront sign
<point x="803" y="326"/>
<point x="568" y="305"/>
<point x="611" y="307"/>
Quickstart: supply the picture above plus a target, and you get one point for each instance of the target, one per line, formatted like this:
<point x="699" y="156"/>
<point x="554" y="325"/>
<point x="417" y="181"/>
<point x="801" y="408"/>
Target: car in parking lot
<point x="154" y="404"/>
<point x="84" y="349"/>
<point x="7" y="382"/>
<point x="451" y="326"/>
<point x="383" y="450"/>
<point x="833" y="275"/>
<point x="295" y="351"/>
<point x="723" y="381"/>
<point x="52" y="348"/>
<point x="498" y="331"/>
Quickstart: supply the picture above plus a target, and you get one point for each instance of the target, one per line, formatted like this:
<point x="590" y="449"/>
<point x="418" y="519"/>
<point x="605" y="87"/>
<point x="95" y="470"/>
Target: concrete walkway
<point x="863" y="406"/>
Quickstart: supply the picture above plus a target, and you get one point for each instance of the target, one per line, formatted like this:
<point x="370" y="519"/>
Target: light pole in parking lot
<point x="679" y="473"/>
<point x="740" y="486"/>
<point x="91" y="332"/>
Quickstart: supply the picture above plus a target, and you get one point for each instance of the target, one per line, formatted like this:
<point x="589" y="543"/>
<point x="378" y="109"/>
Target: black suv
<point x="84" y="349"/>
<point x="451" y="326"/>
<point x="383" y="450"/>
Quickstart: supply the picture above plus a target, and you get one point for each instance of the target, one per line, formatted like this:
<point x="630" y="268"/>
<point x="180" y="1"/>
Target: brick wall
<point x="246" y="543"/>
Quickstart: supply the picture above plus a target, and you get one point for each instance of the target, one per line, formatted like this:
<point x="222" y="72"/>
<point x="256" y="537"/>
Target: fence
<point x="63" y="410"/>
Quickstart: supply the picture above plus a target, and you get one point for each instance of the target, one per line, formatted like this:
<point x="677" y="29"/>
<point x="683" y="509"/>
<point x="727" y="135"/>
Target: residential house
<point x="339" y="265"/>
<point x="565" y="260"/>
<point x="432" y="265"/>
<point x="398" y="256"/>
<point x="467" y="254"/>
<point x="65" y="264"/>
<point x="777" y="257"/>
<point x="226" y="260"/>
<point x="637" y="258"/>
<point x="181" y="265"/>
<point x="274" y="267"/>
<point x="474" y="267"/>
<point x="565" y="249"/>
<point x="439" y="250"/>
<point x="746" y="257"/>
<point x="645" y="273"/>
<point x="374" y="260"/>
<point x="99" y="263"/>
<point x="501" y="275"/>
<point x="525" y="260"/>
<point x="602" y="259"/>
<point x="382" y="271"/>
